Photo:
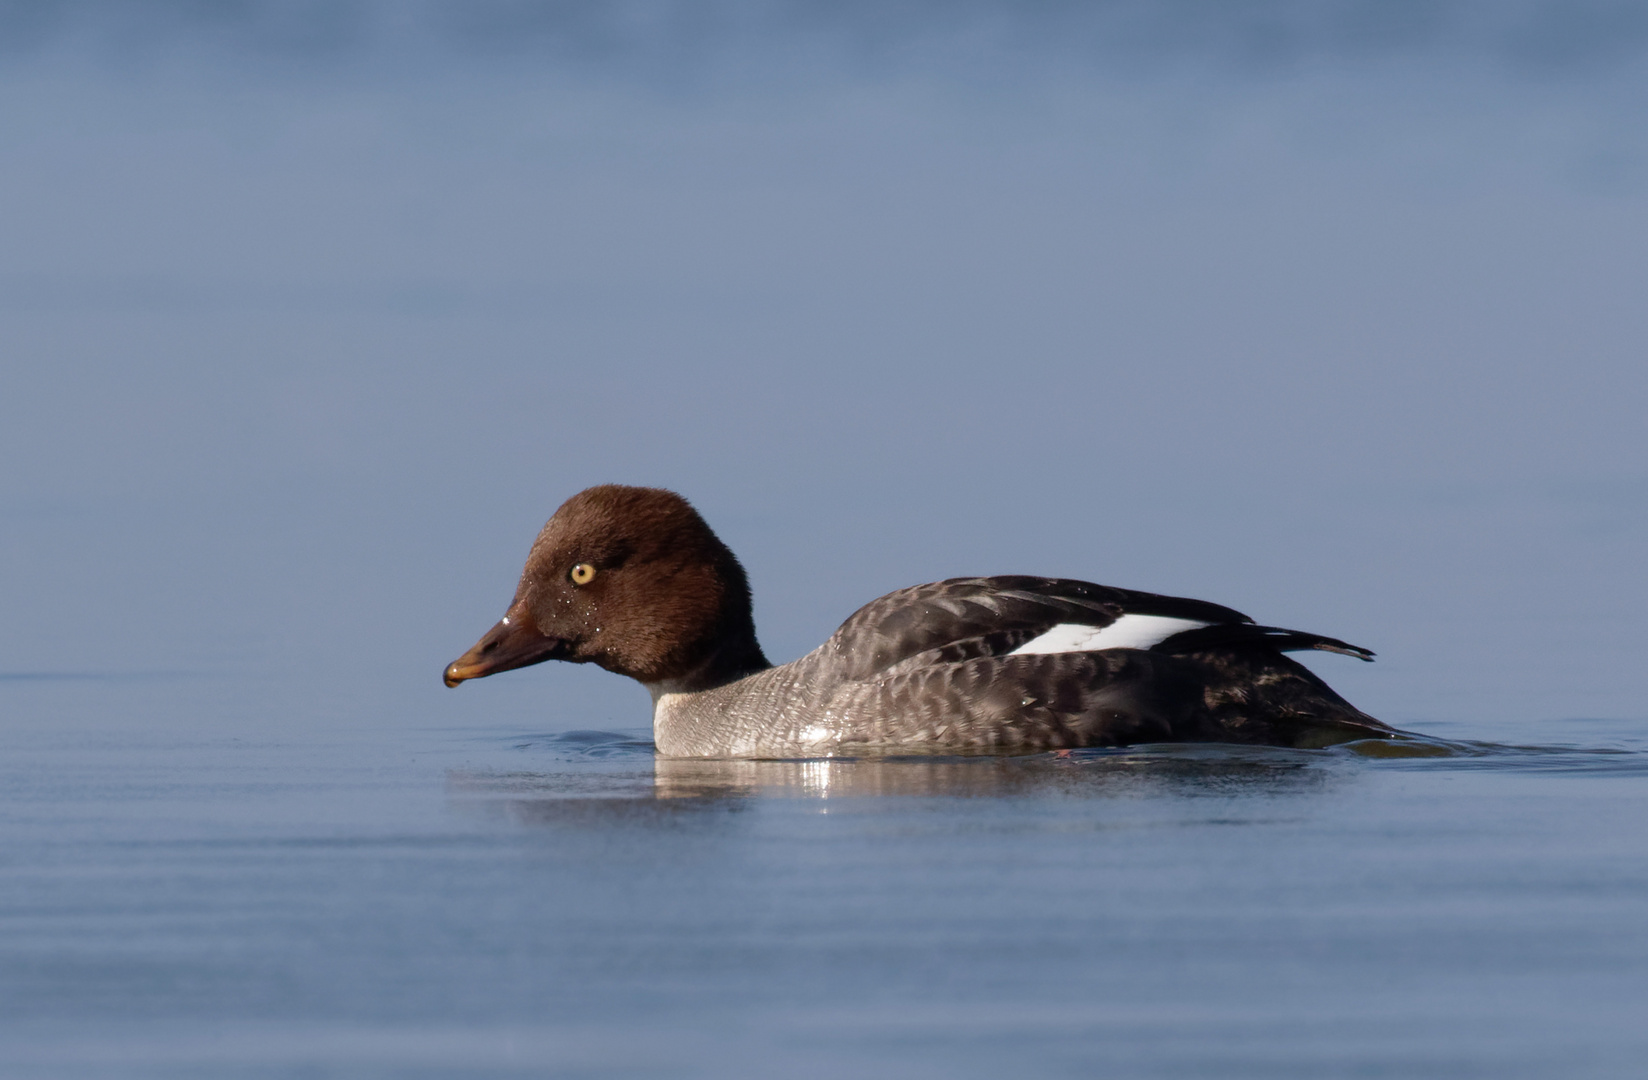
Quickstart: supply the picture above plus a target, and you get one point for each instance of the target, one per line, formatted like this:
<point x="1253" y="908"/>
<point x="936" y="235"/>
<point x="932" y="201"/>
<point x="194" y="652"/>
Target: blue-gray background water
<point x="310" y="314"/>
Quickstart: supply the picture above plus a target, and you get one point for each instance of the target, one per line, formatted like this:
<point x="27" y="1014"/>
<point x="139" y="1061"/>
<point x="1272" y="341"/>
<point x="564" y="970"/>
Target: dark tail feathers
<point x="1221" y="635"/>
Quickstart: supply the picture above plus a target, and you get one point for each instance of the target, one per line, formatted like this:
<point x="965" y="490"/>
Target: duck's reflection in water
<point x="1093" y="775"/>
<point x="665" y="789"/>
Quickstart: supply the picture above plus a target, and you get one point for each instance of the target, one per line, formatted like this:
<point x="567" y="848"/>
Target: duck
<point x="634" y="580"/>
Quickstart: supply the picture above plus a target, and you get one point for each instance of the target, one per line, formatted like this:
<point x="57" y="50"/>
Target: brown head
<point x="631" y="579"/>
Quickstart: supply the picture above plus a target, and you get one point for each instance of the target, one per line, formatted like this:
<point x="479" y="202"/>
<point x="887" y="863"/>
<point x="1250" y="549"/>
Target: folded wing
<point x="964" y="619"/>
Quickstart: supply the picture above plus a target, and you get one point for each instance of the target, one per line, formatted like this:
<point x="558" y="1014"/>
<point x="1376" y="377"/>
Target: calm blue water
<point x="276" y="895"/>
<point x="311" y="315"/>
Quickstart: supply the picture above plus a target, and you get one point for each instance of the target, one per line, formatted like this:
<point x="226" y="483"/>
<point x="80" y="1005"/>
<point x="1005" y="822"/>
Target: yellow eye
<point x="582" y="574"/>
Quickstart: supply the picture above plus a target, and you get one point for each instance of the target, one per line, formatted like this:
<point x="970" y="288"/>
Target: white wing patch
<point x="1127" y="632"/>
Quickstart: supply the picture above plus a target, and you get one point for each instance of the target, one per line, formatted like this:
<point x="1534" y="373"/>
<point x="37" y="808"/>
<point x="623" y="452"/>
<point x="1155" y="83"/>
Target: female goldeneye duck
<point x="633" y="579"/>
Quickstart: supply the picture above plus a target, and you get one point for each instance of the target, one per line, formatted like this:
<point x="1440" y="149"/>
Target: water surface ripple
<point x="188" y="890"/>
